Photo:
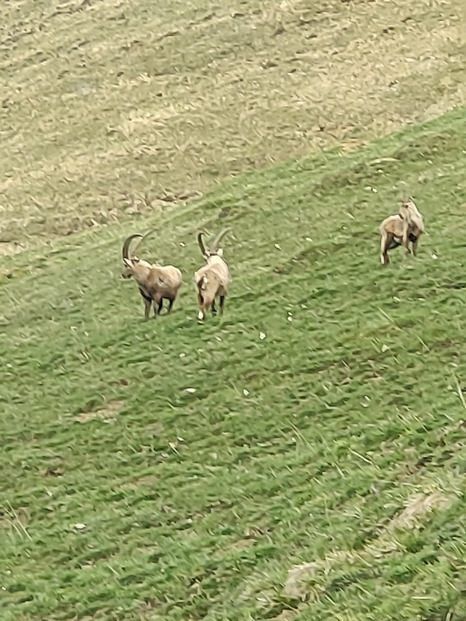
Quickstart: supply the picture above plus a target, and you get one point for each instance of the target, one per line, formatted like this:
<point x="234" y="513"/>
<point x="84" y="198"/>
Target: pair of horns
<point x="214" y="245"/>
<point x="404" y="194"/>
<point x="127" y="244"/>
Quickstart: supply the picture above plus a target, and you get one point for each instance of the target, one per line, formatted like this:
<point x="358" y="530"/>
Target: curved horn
<point x="215" y="243"/>
<point x="201" y="244"/>
<point x="143" y="237"/>
<point x="404" y="194"/>
<point x="127" y="243"/>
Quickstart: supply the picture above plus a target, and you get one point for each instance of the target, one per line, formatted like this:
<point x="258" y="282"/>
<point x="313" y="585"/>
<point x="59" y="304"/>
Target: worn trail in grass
<point x="170" y="470"/>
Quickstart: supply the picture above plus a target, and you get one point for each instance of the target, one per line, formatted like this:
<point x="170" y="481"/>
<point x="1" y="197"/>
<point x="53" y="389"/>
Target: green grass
<point x="320" y="420"/>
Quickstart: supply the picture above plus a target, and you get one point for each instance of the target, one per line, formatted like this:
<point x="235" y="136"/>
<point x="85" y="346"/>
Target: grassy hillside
<point x="300" y="458"/>
<point x="110" y="109"/>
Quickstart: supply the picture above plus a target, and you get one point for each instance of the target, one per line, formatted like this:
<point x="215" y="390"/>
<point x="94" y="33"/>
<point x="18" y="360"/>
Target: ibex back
<point x="156" y="283"/>
<point x="213" y="278"/>
<point x="401" y="229"/>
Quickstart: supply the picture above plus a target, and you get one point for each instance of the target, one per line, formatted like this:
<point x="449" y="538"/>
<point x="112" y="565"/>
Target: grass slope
<point x="300" y="458"/>
<point x="111" y="108"/>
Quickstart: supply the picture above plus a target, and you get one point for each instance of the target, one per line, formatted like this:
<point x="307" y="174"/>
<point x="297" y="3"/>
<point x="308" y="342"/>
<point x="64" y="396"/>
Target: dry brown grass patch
<point x="173" y="102"/>
<point x="108" y="413"/>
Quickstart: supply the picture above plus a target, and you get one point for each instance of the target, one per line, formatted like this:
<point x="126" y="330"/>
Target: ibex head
<point x="213" y="249"/>
<point x="410" y="213"/>
<point x="129" y="258"/>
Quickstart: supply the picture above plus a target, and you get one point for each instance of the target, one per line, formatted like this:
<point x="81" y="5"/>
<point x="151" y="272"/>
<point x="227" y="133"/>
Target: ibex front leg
<point x="405" y="239"/>
<point x="147" y="304"/>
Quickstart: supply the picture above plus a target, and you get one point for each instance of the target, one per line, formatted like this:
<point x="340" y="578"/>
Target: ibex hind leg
<point x="170" y="306"/>
<point x="201" y="313"/>
<point x="213" y="308"/>
<point x="222" y="303"/>
<point x="147" y="305"/>
<point x="157" y="307"/>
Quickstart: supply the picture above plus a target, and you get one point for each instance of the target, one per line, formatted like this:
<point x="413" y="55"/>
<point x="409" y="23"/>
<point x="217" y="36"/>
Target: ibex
<point x="405" y="227"/>
<point x="213" y="278"/>
<point x="156" y="283"/>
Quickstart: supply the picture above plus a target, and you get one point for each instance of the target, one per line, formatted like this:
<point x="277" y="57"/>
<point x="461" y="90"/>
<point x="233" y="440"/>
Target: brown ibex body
<point x="156" y="283"/>
<point x="405" y="227"/>
<point x="213" y="278"/>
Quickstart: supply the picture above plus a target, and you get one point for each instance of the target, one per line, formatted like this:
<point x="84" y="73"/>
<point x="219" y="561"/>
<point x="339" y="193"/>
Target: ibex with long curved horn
<point x="213" y="278"/>
<point x="405" y="227"/>
<point x="156" y="283"/>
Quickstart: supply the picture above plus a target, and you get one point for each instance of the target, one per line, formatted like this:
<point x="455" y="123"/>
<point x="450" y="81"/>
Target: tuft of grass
<point x="301" y="457"/>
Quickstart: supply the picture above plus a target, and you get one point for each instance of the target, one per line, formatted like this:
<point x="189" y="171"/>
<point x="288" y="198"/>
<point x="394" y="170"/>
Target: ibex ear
<point x="220" y="252"/>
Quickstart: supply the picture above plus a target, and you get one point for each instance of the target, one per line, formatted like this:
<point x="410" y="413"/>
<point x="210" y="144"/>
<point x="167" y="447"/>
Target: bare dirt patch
<point x="108" y="413"/>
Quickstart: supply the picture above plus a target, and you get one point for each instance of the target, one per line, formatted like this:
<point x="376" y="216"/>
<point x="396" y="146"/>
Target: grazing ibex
<point x="405" y="227"/>
<point x="212" y="279"/>
<point x="156" y="283"/>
